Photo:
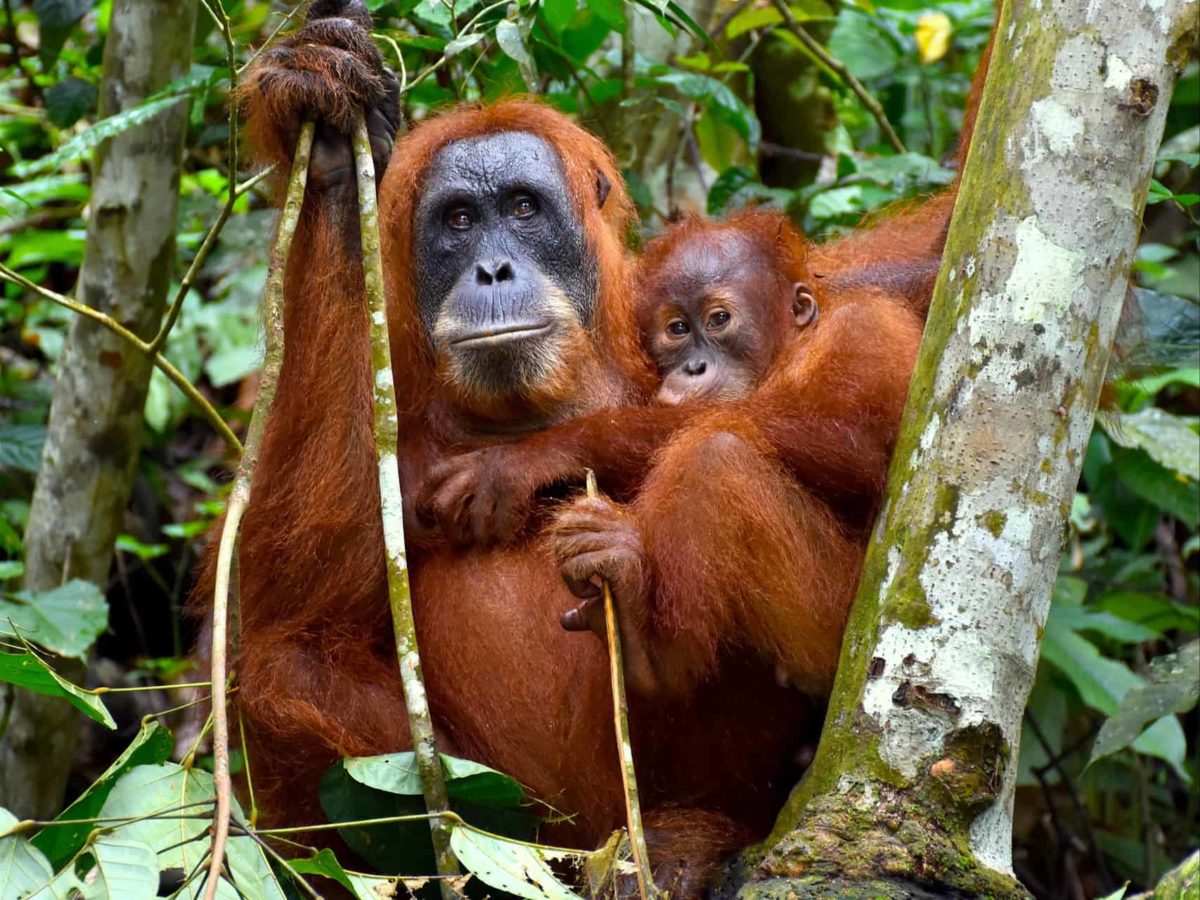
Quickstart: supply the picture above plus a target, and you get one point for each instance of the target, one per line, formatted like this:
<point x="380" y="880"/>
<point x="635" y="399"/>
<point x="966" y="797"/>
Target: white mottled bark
<point x="915" y="775"/>
<point x="1028" y="300"/>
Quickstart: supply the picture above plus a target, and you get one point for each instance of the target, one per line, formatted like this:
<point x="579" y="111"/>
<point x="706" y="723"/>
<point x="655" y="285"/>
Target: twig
<point x="173" y="374"/>
<point x="239" y="497"/>
<point x="616" y="669"/>
<point x="1081" y="811"/>
<point x="838" y="67"/>
<point x="429" y="763"/>
<point x="272" y="36"/>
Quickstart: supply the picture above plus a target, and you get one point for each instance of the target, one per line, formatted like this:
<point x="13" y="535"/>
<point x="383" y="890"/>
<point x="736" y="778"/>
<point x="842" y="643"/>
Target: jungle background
<point x="710" y="107"/>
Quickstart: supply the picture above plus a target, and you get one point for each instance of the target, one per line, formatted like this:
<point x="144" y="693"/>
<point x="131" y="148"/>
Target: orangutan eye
<point x="718" y="319"/>
<point x="677" y="328"/>
<point x="524" y="206"/>
<point x="460" y="218"/>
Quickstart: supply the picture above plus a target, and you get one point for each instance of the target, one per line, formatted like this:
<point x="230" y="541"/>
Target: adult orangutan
<point x="509" y="311"/>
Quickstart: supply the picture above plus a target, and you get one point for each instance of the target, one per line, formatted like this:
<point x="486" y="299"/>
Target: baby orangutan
<point x="748" y="489"/>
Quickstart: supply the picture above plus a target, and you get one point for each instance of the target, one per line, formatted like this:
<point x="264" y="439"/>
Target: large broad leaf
<point x="1169" y="440"/>
<point x="397" y="773"/>
<point x="23" y="869"/>
<point x="153" y="745"/>
<point x="118" y="868"/>
<point x="161" y="804"/>
<point x="1102" y="683"/>
<point x="387" y="786"/>
<point x="65" y="620"/>
<point x="1173" y="688"/>
<point x="31" y="672"/>
<point x="514" y="866"/>
<point x="1173" y="493"/>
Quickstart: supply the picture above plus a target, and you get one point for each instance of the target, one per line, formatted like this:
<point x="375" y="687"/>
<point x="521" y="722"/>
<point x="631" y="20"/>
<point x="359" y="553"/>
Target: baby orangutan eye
<point x="677" y="328"/>
<point x="719" y="318"/>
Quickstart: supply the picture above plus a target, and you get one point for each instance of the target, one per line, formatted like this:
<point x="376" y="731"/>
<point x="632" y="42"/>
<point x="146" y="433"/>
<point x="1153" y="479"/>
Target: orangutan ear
<point x="804" y="305"/>
<point x="603" y="186"/>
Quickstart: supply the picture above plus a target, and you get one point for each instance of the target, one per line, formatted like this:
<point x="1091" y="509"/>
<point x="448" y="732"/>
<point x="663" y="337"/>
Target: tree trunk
<point x="913" y="784"/>
<point x="95" y="429"/>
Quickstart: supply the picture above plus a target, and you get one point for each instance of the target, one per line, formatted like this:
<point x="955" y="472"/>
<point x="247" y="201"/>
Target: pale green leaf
<point x="29" y="671"/>
<point x="513" y="866"/>
<point x="65" y="620"/>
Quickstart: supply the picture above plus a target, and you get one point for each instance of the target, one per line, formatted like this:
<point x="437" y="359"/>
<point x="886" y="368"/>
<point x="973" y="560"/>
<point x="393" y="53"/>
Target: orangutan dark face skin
<point x="721" y="312"/>
<point x="504" y="276"/>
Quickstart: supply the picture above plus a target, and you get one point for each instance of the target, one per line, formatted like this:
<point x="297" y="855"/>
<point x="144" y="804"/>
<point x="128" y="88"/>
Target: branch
<point x="616" y="670"/>
<point x="239" y="497"/>
<point x="429" y="763"/>
<point x="176" y="377"/>
<point x="838" y="67"/>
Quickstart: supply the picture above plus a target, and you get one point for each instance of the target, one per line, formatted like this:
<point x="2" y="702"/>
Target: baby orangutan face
<point x="718" y="314"/>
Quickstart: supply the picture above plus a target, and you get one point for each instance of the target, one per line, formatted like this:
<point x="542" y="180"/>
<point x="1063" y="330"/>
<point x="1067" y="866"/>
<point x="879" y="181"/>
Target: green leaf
<point x="1165" y="740"/>
<point x="512" y="42"/>
<point x="1173" y="688"/>
<point x="23" y="869"/>
<point x="389" y="785"/>
<point x="152" y="745"/>
<point x="463" y="42"/>
<point x="611" y="13"/>
<point x="1151" y="385"/>
<point x="160" y="802"/>
<point x="860" y="45"/>
<point x="1152" y="610"/>
<point x="65" y="620"/>
<point x="1168" y="439"/>
<point x="67" y="188"/>
<point x="397" y="773"/>
<point x="127" y="543"/>
<point x="513" y="866"/>
<point x="1100" y="681"/>
<point x="751" y="20"/>
<point x="125" y="869"/>
<point x="433" y="12"/>
<point x="56" y="19"/>
<point x="558" y="14"/>
<point x="1172" y="492"/>
<point x="11" y="568"/>
<point x="719" y="99"/>
<point x="363" y="887"/>
<point x="35" y="246"/>
<point x="69" y="101"/>
<point x="21" y="446"/>
<point x="29" y="671"/>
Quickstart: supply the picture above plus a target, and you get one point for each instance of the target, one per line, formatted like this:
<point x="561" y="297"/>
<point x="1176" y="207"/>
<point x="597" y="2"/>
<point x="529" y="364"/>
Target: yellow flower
<point x="933" y="36"/>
